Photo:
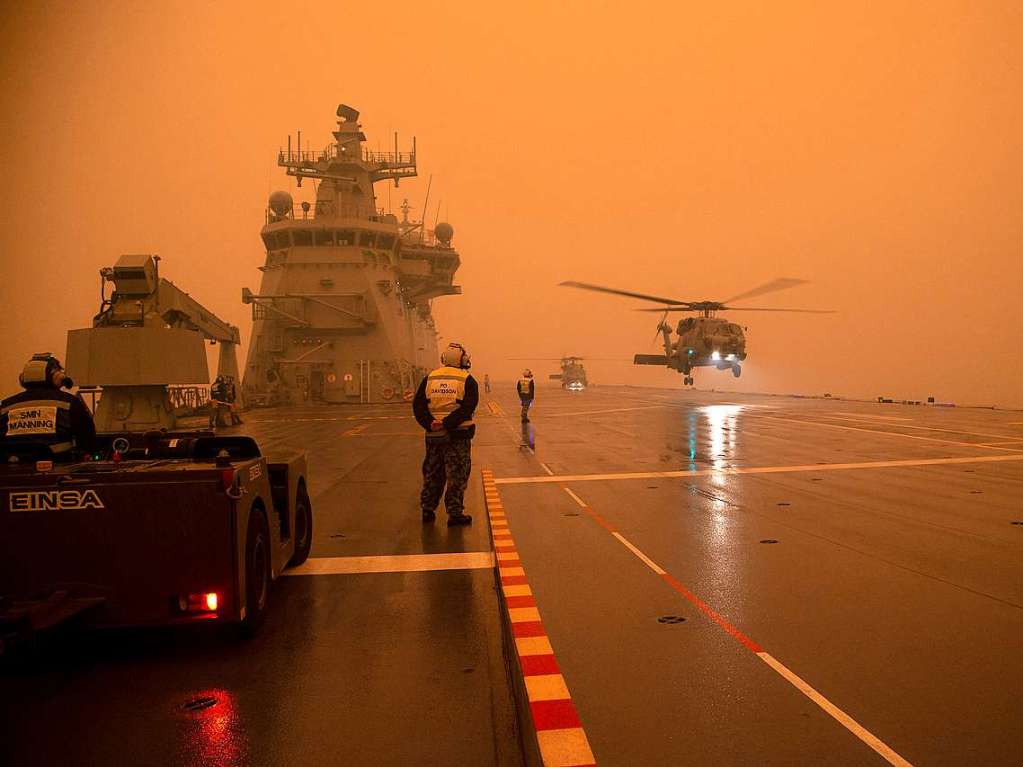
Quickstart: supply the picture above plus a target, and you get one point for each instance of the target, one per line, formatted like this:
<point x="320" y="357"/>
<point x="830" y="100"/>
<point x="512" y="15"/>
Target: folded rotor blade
<point x="781" y="283"/>
<point x="627" y="293"/>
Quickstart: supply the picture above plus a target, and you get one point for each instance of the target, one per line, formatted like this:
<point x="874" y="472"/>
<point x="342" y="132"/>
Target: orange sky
<point x="674" y="148"/>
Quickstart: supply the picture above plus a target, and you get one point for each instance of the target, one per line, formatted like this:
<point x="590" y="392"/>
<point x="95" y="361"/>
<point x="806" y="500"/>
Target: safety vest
<point x="42" y="421"/>
<point x="524" y="386"/>
<point x="445" y="390"/>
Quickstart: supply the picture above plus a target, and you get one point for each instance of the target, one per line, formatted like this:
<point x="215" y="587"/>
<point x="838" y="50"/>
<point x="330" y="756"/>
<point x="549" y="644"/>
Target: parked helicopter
<point x="572" y="375"/>
<point x="705" y="340"/>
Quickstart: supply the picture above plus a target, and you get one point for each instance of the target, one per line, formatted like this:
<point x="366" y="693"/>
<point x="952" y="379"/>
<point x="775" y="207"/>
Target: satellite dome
<point x="444" y="232"/>
<point x="280" y="203"/>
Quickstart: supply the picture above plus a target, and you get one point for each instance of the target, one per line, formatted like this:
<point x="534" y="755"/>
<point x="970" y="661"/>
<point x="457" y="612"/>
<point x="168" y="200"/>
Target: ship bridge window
<point x="268" y="240"/>
<point x="366" y="239"/>
<point x="385" y="241"/>
<point x="323" y="237"/>
<point x="302" y="237"/>
<point x="282" y="239"/>
<point x="345" y="237"/>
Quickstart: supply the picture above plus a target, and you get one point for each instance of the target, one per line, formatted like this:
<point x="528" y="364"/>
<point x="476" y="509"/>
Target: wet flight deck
<point x="688" y="578"/>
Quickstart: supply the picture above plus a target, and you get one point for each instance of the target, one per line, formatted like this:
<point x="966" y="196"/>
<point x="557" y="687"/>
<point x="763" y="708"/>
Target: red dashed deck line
<point x="559" y="732"/>
<point x="879" y="746"/>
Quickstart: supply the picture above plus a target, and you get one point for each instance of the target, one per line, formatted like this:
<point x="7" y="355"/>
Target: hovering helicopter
<point x="572" y="375"/>
<point x="705" y="340"/>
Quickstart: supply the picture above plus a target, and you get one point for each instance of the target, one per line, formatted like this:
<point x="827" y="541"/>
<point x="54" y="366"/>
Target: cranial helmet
<point x="39" y="370"/>
<point x="527" y="373"/>
<point x="456" y="356"/>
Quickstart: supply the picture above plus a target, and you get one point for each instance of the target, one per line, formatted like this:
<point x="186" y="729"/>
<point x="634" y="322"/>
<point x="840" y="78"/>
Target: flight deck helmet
<point x="39" y="370"/>
<point x="527" y="373"/>
<point x="456" y="356"/>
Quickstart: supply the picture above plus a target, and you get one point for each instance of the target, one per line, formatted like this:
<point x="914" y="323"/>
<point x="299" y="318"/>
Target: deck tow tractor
<point x="158" y="526"/>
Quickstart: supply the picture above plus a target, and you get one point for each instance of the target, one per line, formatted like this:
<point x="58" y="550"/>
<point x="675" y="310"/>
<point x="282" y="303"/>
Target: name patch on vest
<point x="59" y="500"/>
<point x="36" y="419"/>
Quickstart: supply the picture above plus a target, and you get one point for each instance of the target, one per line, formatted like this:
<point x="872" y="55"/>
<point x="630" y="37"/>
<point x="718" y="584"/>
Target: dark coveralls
<point x="448" y="452"/>
<point x="45" y="415"/>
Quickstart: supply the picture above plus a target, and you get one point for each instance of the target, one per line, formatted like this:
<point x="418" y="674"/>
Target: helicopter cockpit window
<point x="302" y="237"/>
<point x="323" y="237"/>
<point x="734" y="329"/>
<point x="686" y="324"/>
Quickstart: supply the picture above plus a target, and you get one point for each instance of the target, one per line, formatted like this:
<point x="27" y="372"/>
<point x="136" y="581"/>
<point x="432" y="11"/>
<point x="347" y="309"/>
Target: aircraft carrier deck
<point x="691" y="578"/>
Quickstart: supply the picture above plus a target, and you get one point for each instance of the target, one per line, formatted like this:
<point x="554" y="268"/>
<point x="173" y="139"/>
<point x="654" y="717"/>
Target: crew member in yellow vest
<point x="526" y="391"/>
<point x="444" y="405"/>
<point x="45" y="416"/>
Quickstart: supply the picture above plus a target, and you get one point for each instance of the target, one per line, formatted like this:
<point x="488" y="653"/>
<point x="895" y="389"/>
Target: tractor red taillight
<point x="227" y="477"/>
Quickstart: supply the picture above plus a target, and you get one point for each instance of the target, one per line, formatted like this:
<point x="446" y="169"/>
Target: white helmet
<point x="456" y="356"/>
<point x="527" y="373"/>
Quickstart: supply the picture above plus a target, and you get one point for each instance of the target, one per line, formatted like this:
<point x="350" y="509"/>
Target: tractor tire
<point x="303" y="529"/>
<point x="257" y="572"/>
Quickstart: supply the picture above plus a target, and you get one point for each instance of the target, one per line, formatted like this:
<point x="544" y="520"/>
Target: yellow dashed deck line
<point x="566" y="747"/>
<point x="546" y="687"/>
<point x="533" y="646"/>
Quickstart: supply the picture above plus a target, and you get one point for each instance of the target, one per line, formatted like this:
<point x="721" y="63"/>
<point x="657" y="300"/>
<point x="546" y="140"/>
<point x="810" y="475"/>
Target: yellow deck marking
<point x="757" y="470"/>
<point x="612" y="410"/>
<point x="923" y="428"/>
<point x="523" y="614"/>
<point x="533" y="645"/>
<point x="546" y="687"/>
<point x="877" y="432"/>
<point x="565" y="748"/>
<point x="408" y="563"/>
<point x="357" y="430"/>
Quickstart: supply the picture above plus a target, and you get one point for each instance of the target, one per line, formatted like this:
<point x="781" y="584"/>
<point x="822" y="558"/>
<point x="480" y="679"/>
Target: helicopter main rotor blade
<point x="781" y="283"/>
<point x="743" y="309"/>
<point x="761" y="309"/>
<point x="626" y="293"/>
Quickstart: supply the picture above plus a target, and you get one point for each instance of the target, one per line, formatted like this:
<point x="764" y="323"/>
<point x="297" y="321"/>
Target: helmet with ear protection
<point x="456" y="356"/>
<point x="39" y="370"/>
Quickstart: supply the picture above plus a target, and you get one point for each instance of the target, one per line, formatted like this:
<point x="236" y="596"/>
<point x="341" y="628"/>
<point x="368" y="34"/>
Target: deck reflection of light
<point x="721" y="423"/>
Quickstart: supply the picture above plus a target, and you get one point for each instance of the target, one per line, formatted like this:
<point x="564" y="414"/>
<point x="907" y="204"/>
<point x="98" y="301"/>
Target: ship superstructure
<point x="343" y="313"/>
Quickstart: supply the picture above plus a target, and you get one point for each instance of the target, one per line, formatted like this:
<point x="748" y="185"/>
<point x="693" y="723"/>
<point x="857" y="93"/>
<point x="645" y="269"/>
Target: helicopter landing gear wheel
<point x="687" y="381"/>
<point x="736" y="370"/>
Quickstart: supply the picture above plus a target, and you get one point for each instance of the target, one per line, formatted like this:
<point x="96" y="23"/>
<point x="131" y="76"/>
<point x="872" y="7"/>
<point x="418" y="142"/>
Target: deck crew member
<point x="526" y="390"/>
<point x="232" y="400"/>
<point x="486" y="382"/>
<point x="218" y="401"/>
<point x="444" y="405"/>
<point x="45" y="414"/>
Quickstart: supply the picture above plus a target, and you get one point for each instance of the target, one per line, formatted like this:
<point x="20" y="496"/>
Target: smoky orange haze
<point x="686" y="149"/>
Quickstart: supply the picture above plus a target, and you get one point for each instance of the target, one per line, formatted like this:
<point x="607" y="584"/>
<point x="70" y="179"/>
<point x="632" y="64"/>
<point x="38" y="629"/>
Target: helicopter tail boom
<point x="650" y="359"/>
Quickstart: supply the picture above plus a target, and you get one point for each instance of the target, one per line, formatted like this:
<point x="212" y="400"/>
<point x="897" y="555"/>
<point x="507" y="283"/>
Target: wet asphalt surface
<point x="894" y="591"/>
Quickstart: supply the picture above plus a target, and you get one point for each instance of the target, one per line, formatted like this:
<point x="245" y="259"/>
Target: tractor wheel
<point x="303" y="528"/>
<point x="257" y="572"/>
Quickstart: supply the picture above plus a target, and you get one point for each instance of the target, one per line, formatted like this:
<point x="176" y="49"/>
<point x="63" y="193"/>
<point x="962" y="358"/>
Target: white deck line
<point x="757" y="470"/>
<point x="407" y="563"/>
